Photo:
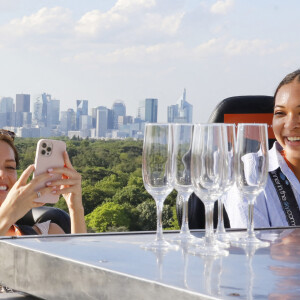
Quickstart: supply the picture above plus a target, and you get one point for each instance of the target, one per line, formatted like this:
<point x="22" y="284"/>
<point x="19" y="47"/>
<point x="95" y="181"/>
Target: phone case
<point x="49" y="154"/>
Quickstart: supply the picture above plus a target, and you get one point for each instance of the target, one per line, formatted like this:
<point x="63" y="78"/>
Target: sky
<point x="129" y="50"/>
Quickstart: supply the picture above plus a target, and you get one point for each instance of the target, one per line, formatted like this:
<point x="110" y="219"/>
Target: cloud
<point x="207" y="48"/>
<point x="222" y="7"/>
<point x="95" y="22"/>
<point x="165" y="24"/>
<point x="133" y="55"/>
<point x="255" y="46"/>
<point x="128" y="19"/>
<point x="45" y="21"/>
<point x="130" y="6"/>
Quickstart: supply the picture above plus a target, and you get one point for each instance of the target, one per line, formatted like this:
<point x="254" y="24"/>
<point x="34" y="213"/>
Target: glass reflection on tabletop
<point x="287" y="251"/>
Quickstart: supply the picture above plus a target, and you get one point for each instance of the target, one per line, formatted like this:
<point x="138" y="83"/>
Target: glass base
<point x="184" y="238"/>
<point x="159" y="245"/>
<point x="208" y="250"/>
<point x="250" y="241"/>
<point x="226" y="237"/>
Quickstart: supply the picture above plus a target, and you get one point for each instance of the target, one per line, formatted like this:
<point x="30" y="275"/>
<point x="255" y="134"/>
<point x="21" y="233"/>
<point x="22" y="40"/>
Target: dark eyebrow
<point x="283" y="106"/>
<point x="10" y="160"/>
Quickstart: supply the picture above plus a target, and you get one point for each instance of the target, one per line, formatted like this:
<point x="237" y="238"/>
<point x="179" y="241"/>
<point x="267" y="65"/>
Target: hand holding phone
<point x="49" y="155"/>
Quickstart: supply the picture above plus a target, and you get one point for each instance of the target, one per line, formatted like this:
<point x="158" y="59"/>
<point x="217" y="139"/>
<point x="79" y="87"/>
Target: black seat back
<point x="45" y="213"/>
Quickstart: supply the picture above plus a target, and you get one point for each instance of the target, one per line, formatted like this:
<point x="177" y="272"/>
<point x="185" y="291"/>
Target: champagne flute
<point x="229" y="178"/>
<point x="207" y="177"/>
<point x="156" y="170"/>
<point x="251" y="171"/>
<point x="181" y="174"/>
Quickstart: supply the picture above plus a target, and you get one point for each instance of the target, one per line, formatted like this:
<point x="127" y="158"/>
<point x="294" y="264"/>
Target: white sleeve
<point x="43" y="227"/>
<point x="236" y="208"/>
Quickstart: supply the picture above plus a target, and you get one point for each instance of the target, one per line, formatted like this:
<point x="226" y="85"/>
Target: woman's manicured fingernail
<point x="53" y="192"/>
<point x="48" y="183"/>
<point x="50" y="170"/>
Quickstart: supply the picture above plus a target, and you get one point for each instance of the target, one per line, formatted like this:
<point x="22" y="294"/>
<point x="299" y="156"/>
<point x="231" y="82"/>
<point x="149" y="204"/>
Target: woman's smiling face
<point x="286" y="119"/>
<point x="8" y="173"/>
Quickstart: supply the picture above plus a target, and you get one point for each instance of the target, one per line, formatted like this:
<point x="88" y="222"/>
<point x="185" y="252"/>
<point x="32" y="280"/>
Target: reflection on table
<point x="111" y="266"/>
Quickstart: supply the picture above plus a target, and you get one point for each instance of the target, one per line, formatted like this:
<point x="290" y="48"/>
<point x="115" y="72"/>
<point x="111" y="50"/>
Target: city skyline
<point x="130" y="50"/>
<point x="36" y="97"/>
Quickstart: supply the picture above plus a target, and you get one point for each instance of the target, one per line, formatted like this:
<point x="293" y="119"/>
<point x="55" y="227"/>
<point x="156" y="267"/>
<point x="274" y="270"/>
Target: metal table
<point x="114" y="266"/>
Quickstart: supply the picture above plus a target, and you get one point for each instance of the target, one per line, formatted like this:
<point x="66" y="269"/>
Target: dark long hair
<point x="10" y="142"/>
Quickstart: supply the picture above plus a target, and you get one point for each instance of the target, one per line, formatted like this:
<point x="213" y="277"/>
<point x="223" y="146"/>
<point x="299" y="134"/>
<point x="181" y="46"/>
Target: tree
<point x="147" y="215"/>
<point x="108" y="215"/>
<point x="131" y="194"/>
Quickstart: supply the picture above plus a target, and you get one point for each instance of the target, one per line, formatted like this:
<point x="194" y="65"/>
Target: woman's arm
<point x="70" y="188"/>
<point x="20" y="198"/>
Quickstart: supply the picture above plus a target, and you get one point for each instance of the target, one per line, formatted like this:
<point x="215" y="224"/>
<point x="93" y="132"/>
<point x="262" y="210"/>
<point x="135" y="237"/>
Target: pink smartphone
<point x="49" y="154"/>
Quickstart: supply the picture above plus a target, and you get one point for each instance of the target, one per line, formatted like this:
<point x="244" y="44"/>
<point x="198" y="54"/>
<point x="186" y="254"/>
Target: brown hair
<point x="10" y="142"/>
<point x="288" y="79"/>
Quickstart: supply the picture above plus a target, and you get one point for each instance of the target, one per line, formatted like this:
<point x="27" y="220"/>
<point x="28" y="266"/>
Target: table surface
<point x="115" y="265"/>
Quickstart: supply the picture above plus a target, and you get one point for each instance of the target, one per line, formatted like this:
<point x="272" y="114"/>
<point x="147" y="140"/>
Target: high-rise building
<point x="104" y="121"/>
<point x="85" y="122"/>
<point x="67" y="120"/>
<point x="26" y="119"/>
<point x="6" y="104"/>
<point x="22" y="106"/>
<point x="172" y="113"/>
<point x="22" y="103"/>
<point x="42" y="110"/>
<point x="182" y="112"/>
<point x="141" y="110"/>
<point x="119" y="110"/>
<point x="6" y="110"/>
<point x="151" y="110"/>
<point x="55" y="111"/>
<point x="82" y="109"/>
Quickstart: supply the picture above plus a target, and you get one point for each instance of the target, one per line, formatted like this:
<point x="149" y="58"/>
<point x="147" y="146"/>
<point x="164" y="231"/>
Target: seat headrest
<point x="242" y="105"/>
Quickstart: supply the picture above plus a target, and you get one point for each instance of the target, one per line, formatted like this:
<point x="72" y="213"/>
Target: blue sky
<point x="135" y="49"/>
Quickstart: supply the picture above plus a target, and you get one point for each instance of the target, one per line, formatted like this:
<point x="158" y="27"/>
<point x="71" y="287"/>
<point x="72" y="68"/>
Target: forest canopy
<point x="113" y="192"/>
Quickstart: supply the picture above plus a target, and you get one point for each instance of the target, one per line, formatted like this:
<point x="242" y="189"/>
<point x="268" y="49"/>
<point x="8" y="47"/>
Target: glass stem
<point x="220" y="227"/>
<point x="159" y="231"/>
<point x="209" y="229"/>
<point x="250" y="228"/>
<point x="185" y="214"/>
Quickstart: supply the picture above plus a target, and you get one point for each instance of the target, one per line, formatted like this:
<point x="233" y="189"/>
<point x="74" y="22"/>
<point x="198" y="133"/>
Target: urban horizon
<point x="42" y="116"/>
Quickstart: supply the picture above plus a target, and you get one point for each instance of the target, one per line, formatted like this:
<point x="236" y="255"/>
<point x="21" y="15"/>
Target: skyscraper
<point x="172" y="113"/>
<point x="22" y="103"/>
<point x="6" y="111"/>
<point x="6" y="104"/>
<point x="42" y="110"/>
<point x="119" y="109"/>
<point x="141" y="110"/>
<point x="182" y="112"/>
<point x="22" y="106"/>
<point x="151" y="110"/>
<point x="82" y="109"/>
<point x="55" y="111"/>
<point x="104" y="121"/>
<point x="67" y="120"/>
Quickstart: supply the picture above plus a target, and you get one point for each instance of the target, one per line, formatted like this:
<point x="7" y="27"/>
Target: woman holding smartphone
<point x="18" y="196"/>
<point x="278" y="205"/>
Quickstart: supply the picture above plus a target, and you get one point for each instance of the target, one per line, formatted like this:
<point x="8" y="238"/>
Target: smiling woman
<point x="18" y="196"/>
<point x="278" y="205"/>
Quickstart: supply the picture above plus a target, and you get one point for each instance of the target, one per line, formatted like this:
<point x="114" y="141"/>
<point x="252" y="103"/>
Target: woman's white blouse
<point x="268" y="211"/>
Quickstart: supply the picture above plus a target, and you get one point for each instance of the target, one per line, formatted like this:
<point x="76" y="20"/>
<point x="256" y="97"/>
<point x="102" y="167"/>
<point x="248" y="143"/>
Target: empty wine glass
<point x="207" y="177"/>
<point x="251" y="171"/>
<point x="156" y="169"/>
<point x="228" y="179"/>
<point x="181" y="174"/>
